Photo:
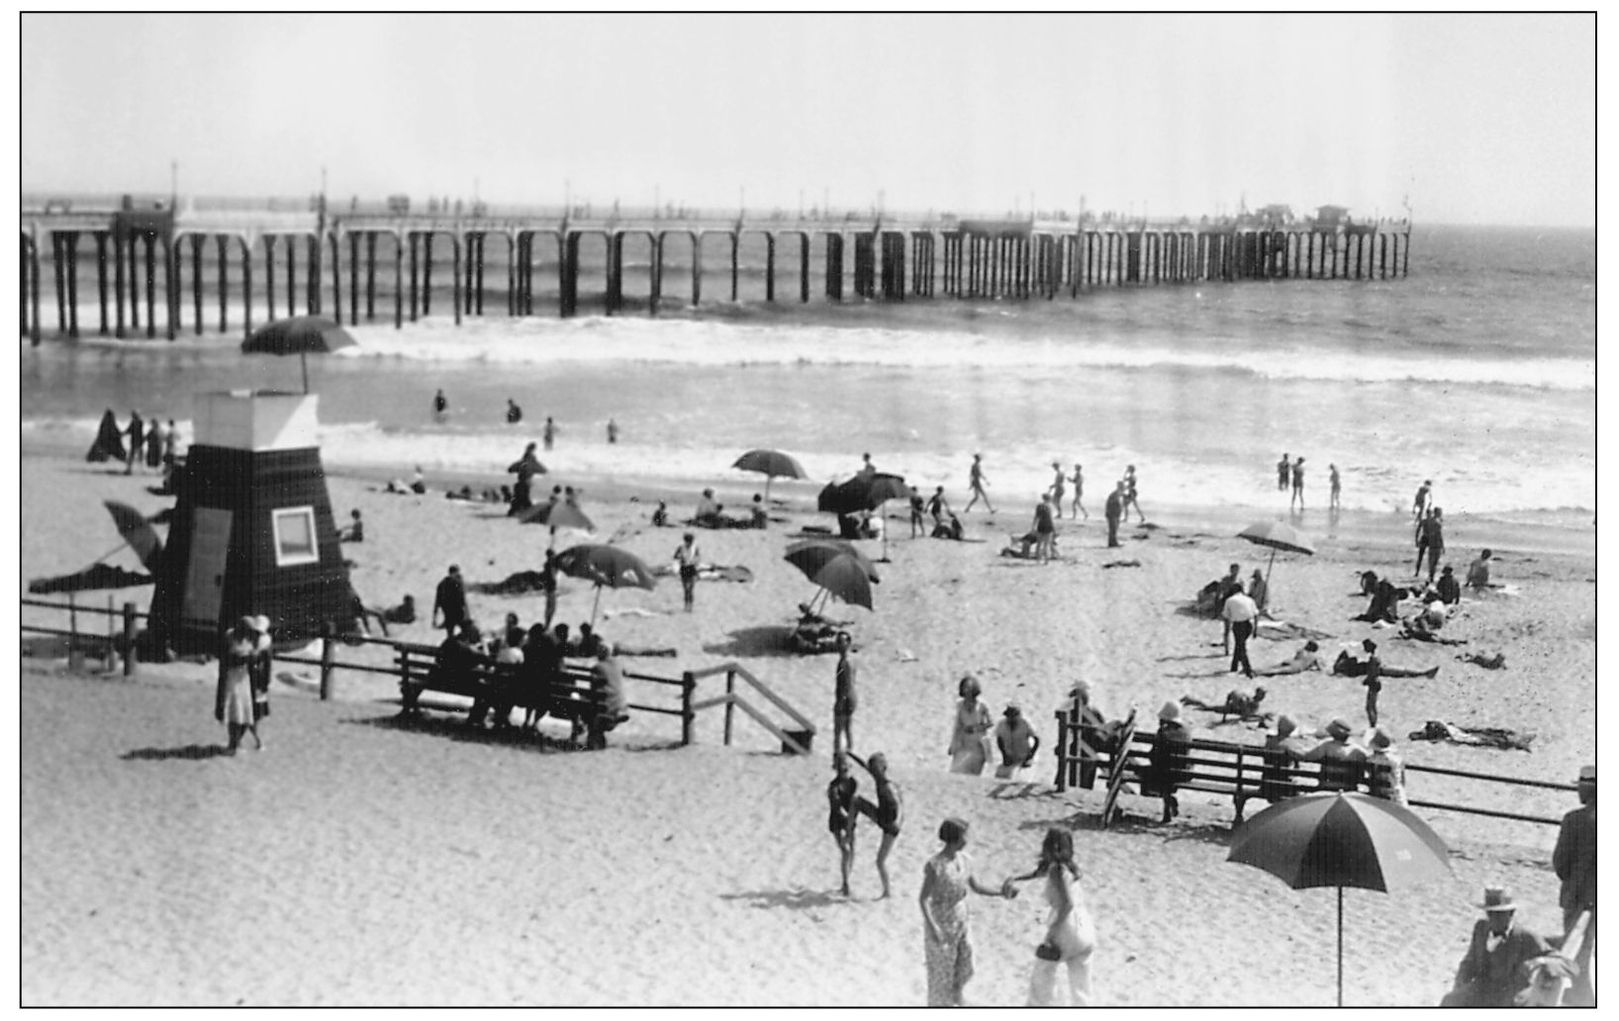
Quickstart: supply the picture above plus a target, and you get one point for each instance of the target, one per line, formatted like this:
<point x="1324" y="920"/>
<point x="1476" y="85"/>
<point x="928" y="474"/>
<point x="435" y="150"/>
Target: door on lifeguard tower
<point x="205" y="575"/>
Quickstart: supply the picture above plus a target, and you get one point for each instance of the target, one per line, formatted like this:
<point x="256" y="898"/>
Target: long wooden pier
<point x="353" y="267"/>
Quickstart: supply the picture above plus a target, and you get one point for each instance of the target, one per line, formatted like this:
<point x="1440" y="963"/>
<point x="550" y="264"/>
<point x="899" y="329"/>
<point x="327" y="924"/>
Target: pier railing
<point x="244" y="262"/>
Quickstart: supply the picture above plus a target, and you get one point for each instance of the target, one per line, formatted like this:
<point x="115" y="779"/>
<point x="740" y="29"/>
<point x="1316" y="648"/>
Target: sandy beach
<point x="375" y="863"/>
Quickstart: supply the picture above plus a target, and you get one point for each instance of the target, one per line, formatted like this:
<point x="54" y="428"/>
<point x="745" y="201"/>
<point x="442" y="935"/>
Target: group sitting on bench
<point x="523" y="669"/>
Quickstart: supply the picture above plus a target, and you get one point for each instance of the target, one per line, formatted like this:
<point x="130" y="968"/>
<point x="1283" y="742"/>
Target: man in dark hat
<point x="1495" y="966"/>
<point x="1575" y="862"/>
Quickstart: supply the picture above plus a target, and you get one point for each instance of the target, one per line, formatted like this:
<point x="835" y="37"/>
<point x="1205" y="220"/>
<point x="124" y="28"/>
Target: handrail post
<point x="688" y="684"/>
<point x="730" y="704"/>
<point x="129" y="640"/>
<point x="1063" y="739"/>
<point x="328" y="656"/>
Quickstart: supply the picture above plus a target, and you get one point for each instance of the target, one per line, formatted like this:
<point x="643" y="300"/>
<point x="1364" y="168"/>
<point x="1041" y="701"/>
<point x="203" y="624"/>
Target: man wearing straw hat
<point x="1575" y="862"/>
<point x="1495" y="966"/>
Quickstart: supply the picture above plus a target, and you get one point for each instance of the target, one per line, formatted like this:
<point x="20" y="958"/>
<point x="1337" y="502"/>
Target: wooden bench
<point x="1240" y="771"/>
<point x="566" y="696"/>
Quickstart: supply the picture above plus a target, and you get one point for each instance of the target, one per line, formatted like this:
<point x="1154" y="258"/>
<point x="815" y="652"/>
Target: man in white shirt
<point x="1017" y="742"/>
<point x="1240" y="612"/>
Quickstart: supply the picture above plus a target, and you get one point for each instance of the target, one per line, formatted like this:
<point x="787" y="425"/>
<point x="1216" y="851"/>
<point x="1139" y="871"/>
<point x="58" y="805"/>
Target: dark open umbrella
<point x="867" y="491"/>
<point x="771" y="464"/>
<point x="136" y="531"/>
<point x="560" y="514"/>
<point x="1278" y="536"/>
<point x="299" y="335"/>
<point x="837" y="567"/>
<point x="1341" y="840"/>
<point x="605" y="567"/>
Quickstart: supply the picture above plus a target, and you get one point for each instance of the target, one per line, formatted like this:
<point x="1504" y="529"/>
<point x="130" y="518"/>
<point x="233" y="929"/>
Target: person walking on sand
<point x="1114" y="509"/>
<point x="1337" y="487"/>
<point x="1130" y="493"/>
<point x="1228" y="587"/>
<point x="844" y="698"/>
<point x="1284" y="472"/>
<point x="969" y="735"/>
<point x="1078" y="480"/>
<point x="946" y="880"/>
<point x="137" y="440"/>
<point x="1298" y="485"/>
<point x="1575" y="861"/>
<point x="550" y="433"/>
<point x="1242" y="615"/>
<point x="1070" y="937"/>
<point x="976" y="481"/>
<point x="888" y="811"/>
<point x="840" y="795"/>
<point x="687" y="557"/>
<point x="233" y="697"/>
<point x="1430" y="542"/>
<point x="1373" y="679"/>
<point x="450" y="600"/>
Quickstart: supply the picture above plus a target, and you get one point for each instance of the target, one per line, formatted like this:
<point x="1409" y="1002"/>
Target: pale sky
<point x="1480" y="118"/>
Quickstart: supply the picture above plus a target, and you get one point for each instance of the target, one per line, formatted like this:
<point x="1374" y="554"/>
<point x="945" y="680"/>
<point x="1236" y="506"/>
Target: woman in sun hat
<point x="1169" y="757"/>
<point x="1385" y="770"/>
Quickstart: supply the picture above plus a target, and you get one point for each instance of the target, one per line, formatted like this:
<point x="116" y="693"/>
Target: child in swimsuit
<point x="840" y="796"/>
<point x="888" y="812"/>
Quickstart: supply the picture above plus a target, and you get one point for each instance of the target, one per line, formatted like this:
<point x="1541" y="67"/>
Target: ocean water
<point x="1478" y="372"/>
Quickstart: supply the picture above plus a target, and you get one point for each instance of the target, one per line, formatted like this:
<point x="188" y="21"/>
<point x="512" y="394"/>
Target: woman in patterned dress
<point x="946" y="879"/>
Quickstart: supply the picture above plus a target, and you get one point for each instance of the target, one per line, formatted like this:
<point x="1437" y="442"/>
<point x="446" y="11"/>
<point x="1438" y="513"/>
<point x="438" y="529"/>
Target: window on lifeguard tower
<point x="295" y="536"/>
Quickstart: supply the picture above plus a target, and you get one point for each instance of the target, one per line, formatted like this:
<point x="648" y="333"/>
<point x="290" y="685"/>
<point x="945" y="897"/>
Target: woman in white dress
<point x="1070" y="937"/>
<point x="233" y="699"/>
<point x="969" y="740"/>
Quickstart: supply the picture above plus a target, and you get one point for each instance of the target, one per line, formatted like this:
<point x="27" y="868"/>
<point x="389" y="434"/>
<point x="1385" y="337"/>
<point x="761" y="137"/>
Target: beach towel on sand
<point x="709" y="572"/>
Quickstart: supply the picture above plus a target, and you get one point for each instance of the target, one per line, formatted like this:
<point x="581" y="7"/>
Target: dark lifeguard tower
<point x="252" y="531"/>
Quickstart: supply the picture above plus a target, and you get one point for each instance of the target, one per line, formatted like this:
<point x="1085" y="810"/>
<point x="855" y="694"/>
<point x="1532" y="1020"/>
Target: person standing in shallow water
<point x="1337" y="487"/>
<point x="1284" y="472"/>
<point x="1298" y="485"/>
<point x="1079" y="492"/>
<point x="946" y="880"/>
<point x="441" y="404"/>
<point x="550" y="433"/>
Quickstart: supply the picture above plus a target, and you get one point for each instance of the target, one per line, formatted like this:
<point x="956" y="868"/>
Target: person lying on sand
<point x="1424" y="625"/>
<point x="1307" y="658"/>
<point x="1483" y="737"/>
<point x="1243" y="707"/>
<point x="1347" y="665"/>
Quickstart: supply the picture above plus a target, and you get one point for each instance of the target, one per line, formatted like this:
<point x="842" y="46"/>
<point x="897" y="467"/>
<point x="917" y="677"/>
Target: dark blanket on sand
<point x="109" y="444"/>
<point x="1485" y="737"/>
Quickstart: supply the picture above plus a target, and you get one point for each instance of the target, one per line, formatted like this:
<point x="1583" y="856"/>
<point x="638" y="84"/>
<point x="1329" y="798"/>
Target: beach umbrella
<point x="771" y="464"/>
<point x="1342" y="839"/>
<point x="299" y="335"/>
<point x="136" y="531"/>
<point x="558" y="514"/>
<point x="867" y="491"/>
<point x="605" y="567"/>
<point x="836" y="567"/>
<point x="1277" y="535"/>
